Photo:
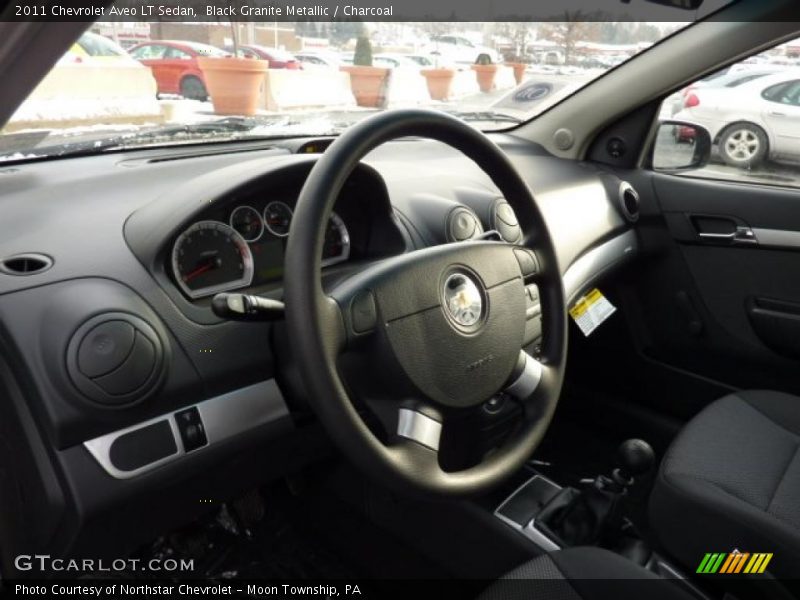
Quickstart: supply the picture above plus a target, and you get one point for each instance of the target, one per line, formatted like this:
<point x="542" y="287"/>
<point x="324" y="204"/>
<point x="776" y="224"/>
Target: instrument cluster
<point x="244" y="247"/>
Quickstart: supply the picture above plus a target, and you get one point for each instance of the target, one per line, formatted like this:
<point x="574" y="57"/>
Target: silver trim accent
<point x="224" y="417"/>
<point x="260" y="222"/>
<point x="525" y="385"/>
<point x="782" y="238"/>
<point x="742" y="235"/>
<point x="596" y="261"/>
<point x="266" y="222"/>
<point x="529" y="530"/>
<point x="624" y="186"/>
<point x="421" y="428"/>
<point x="345" y="254"/>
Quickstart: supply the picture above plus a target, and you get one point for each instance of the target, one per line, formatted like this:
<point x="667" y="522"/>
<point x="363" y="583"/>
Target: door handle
<point x="775" y="113"/>
<point x="742" y="235"/>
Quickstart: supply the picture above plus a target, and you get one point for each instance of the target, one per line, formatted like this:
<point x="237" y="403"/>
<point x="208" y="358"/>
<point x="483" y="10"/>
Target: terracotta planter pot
<point x="234" y="84"/>
<point x="485" y="74"/>
<point x="368" y="84"/>
<point x="439" y="82"/>
<point x="519" y="70"/>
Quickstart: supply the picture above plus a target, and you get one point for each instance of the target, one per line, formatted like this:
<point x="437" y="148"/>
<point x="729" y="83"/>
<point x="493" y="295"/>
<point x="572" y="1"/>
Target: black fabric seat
<point x="731" y="480"/>
<point x="582" y="573"/>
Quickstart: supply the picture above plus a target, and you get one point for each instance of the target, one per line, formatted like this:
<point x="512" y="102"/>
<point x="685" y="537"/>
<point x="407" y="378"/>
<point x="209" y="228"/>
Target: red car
<point x="278" y="59"/>
<point x="174" y="66"/>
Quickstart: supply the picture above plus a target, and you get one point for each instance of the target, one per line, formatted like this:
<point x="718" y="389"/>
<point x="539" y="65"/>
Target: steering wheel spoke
<point x="420" y="423"/>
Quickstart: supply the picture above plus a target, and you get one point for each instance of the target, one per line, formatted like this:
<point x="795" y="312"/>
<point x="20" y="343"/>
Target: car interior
<point x="533" y="361"/>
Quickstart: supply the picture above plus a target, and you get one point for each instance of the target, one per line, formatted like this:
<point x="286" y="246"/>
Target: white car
<point x="392" y="61"/>
<point x="729" y="79"/>
<point x="324" y="60"/>
<point x="752" y="122"/>
<point x="458" y="49"/>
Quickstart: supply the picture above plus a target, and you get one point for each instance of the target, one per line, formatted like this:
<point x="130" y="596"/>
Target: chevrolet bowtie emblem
<point x="463" y="300"/>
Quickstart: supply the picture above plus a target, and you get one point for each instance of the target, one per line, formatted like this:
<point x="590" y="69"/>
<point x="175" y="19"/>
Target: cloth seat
<point x="731" y="481"/>
<point x="582" y="573"/>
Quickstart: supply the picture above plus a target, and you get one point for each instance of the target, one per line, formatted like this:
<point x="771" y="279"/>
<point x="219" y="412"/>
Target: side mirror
<point x="680" y="146"/>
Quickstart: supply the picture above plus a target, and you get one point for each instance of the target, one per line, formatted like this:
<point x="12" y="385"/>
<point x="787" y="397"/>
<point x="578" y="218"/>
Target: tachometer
<point x="247" y="223"/>
<point x="337" y="242"/>
<point x="211" y="257"/>
<point x="278" y="218"/>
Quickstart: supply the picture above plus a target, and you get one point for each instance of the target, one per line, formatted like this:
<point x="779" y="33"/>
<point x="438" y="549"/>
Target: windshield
<point x="129" y="84"/>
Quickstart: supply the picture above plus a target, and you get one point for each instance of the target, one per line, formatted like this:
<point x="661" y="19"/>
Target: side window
<point x="177" y="53"/>
<point x="784" y="93"/>
<point x="751" y="111"/>
<point x="149" y="52"/>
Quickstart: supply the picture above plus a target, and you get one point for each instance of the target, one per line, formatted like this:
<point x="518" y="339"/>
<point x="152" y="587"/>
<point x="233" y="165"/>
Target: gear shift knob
<point x="636" y="457"/>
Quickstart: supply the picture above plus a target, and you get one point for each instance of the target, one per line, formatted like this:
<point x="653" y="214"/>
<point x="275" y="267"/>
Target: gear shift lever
<point x="635" y="457"/>
<point x="578" y="517"/>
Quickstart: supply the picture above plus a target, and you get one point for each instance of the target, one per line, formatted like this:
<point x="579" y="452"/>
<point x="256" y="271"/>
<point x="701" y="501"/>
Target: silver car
<point x="752" y="122"/>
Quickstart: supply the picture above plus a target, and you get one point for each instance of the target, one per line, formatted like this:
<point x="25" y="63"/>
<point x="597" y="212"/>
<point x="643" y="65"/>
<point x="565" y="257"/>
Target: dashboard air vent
<point x="463" y="224"/>
<point x="504" y="221"/>
<point x="629" y="201"/>
<point x="25" y="264"/>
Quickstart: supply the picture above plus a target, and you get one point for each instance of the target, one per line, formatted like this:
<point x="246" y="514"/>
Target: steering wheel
<point x="441" y="329"/>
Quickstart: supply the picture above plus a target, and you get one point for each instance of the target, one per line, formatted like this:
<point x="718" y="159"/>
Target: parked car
<point x="422" y="60"/>
<point x="318" y="59"/>
<point x="278" y="59"/>
<point x="727" y="80"/>
<point x="392" y="61"/>
<point x="760" y="120"/>
<point x="175" y="67"/>
<point x="92" y="47"/>
<point x="457" y="48"/>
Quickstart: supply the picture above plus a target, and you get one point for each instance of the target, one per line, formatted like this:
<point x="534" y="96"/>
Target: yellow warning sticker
<point x="590" y="311"/>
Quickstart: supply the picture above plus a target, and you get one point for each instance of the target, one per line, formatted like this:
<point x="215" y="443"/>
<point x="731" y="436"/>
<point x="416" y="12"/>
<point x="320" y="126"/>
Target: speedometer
<point x="211" y="257"/>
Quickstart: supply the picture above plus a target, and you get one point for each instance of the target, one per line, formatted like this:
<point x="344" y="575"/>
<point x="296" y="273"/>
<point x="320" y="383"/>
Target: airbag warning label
<point x="591" y="311"/>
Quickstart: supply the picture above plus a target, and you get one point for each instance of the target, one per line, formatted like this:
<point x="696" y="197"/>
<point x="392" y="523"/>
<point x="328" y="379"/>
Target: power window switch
<point x="190" y="426"/>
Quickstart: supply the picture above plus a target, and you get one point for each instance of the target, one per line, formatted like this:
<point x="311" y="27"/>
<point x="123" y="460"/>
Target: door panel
<point x="720" y="296"/>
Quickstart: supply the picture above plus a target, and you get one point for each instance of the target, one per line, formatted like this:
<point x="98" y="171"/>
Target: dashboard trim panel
<point x="592" y="265"/>
<point x="223" y="417"/>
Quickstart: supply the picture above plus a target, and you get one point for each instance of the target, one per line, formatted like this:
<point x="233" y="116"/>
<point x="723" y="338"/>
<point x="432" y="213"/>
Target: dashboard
<point x="125" y="382"/>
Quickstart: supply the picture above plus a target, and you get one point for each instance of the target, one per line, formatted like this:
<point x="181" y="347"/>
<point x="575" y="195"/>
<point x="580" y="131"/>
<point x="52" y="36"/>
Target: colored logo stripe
<point x="734" y="562"/>
<point x="758" y="563"/>
<point x="711" y="562"/>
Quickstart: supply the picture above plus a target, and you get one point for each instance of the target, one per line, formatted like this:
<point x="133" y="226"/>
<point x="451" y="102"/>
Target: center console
<point x="555" y="517"/>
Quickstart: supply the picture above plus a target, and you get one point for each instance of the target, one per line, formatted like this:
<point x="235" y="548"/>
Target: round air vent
<point x="504" y="221"/>
<point x="463" y="224"/>
<point x="25" y="264"/>
<point x="629" y="201"/>
<point x="115" y="359"/>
